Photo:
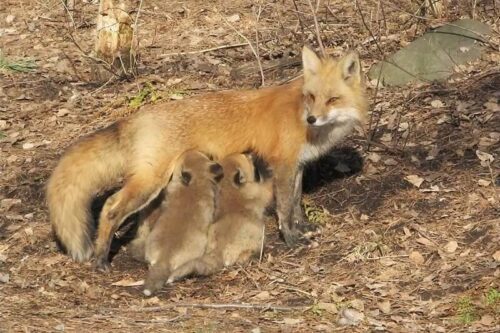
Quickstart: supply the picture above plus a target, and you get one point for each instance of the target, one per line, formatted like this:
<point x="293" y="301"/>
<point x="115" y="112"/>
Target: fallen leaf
<point x="128" y="283"/>
<point x="385" y="307"/>
<point x="485" y="158"/>
<point x="4" y="278"/>
<point x="263" y="295"/>
<point x="328" y="307"/>
<point x="496" y="256"/>
<point x="424" y="241"/>
<point x="416" y="258"/>
<point x="483" y="182"/>
<point x="451" y="246"/>
<point x="350" y="317"/>
<point x="487" y="320"/>
<point x="292" y="321"/>
<point x="28" y="145"/>
<point x="414" y="180"/>
<point x="437" y="103"/>
<point x="358" y="304"/>
<point x="233" y="18"/>
<point x="62" y="112"/>
<point x="390" y="162"/>
<point x="374" y="157"/>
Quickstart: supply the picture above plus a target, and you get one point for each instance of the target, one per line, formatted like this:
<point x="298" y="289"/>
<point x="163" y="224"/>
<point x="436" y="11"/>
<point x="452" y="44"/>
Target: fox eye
<point x="309" y="97"/>
<point x="332" y="100"/>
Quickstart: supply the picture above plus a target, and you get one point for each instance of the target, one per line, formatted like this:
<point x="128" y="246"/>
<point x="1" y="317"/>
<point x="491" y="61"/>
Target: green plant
<point x="147" y="91"/>
<point x="21" y="65"/>
<point x="465" y="310"/>
<point x="493" y="299"/>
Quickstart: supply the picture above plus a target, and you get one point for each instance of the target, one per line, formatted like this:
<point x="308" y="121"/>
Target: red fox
<point x="238" y="231"/>
<point x="287" y="125"/>
<point x="179" y="232"/>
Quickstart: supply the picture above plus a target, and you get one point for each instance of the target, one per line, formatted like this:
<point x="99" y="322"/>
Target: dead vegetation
<point x="410" y="217"/>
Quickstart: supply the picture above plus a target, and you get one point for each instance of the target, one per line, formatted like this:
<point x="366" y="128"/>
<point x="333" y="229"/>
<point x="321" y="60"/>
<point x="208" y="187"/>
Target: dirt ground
<point x="410" y="237"/>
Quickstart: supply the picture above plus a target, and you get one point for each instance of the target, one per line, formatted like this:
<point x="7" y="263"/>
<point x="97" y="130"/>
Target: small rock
<point x="7" y="204"/>
<point x="263" y="295"/>
<point x="3" y="124"/>
<point x="59" y="327"/>
<point x="483" y="182"/>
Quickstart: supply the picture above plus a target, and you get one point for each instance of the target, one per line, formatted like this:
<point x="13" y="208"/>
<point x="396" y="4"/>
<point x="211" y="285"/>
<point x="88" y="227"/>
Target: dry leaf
<point x="451" y="246"/>
<point x="437" y="103"/>
<point x="424" y="241"/>
<point x="496" y="256"/>
<point x="390" y="162"/>
<point x="292" y="321"/>
<point x="416" y="258"/>
<point x="350" y="317"/>
<point x="328" y="307"/>
<point x="128" y="283"/>
<point x="385" y="307"/>
<point x="358" y="304"/>
<point x="233" y="18"/>
<point x="414" y="180"/>
<point x="263" y="295"/>
<point x="483" y="182"/>
<point x="487" y="320"/>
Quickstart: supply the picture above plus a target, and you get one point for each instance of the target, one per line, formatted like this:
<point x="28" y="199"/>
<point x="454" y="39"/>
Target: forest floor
<point x="410" y="223"/>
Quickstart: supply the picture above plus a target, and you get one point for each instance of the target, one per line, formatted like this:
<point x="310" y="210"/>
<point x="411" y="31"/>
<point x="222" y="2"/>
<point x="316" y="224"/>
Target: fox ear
<point x="351" y="67"/>
<point x="310" y="60"/>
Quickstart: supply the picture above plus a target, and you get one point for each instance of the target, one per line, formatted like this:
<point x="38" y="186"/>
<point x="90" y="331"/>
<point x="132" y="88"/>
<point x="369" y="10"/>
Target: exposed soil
<point x="406" y="258"/>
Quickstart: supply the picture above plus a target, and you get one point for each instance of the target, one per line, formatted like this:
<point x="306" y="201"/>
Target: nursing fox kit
<point x="237" y="233"/>
<point x="286" y="125"/>
<point x="179" y="232"/>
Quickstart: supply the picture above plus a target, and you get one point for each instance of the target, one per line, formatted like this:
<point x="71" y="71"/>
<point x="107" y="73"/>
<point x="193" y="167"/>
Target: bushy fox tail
<point x="90" y="165"/>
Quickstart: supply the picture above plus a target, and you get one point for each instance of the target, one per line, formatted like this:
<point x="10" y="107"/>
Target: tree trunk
<point x="115" y="46"/>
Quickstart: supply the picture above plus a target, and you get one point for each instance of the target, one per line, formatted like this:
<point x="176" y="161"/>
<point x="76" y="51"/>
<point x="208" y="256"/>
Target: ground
<point x="410" y="235"/>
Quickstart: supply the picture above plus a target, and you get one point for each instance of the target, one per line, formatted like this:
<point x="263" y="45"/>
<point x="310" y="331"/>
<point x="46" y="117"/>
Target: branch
<point x="249" y="44"/>
<point x="221" y="306"/>
<point x="316" y="25"/>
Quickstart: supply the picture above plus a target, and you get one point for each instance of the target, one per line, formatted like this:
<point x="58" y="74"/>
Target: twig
<point x="219" y="306"/>
<point x="316" y="25"/>
<point x="388" y="257"/>
<point x="135" y="31"/>
<point x="69" y="14"/>
<point x="262" y="243"/>
<point x="259" y="11"/>
<point x="231" y="46"/>
<point x="249" y="44"/>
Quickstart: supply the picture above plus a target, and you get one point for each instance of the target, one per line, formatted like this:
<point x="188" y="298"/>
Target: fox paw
<point x="300" y="233"/>
<point x="102" y="265"/>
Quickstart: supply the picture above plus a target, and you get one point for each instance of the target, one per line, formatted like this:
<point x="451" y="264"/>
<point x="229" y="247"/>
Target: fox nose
<point x="311" y="119"/>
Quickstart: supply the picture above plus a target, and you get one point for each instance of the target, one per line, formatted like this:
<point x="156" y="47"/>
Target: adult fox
<point x="287" y="125"/>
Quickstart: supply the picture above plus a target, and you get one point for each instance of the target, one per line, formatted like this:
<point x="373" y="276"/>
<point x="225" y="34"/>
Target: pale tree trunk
<point x="115" y="45"/>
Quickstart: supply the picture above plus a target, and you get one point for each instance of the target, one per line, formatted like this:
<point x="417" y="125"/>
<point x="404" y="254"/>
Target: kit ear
<point x="185" y="178"/>
<point x="239" y="178"/>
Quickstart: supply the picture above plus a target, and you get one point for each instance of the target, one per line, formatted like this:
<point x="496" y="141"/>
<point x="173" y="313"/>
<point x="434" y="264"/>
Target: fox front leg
<point x="299" y="220"/>
<point x="288" y="185"/>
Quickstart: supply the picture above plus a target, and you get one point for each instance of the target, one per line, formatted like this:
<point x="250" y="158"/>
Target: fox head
<point x="333" y="90"/>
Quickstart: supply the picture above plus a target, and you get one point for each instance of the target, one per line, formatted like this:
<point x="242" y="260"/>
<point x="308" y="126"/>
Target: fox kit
<point x="178" y="232"/>
<point x="287" y="125"/>
<point x="238" y="232"/>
